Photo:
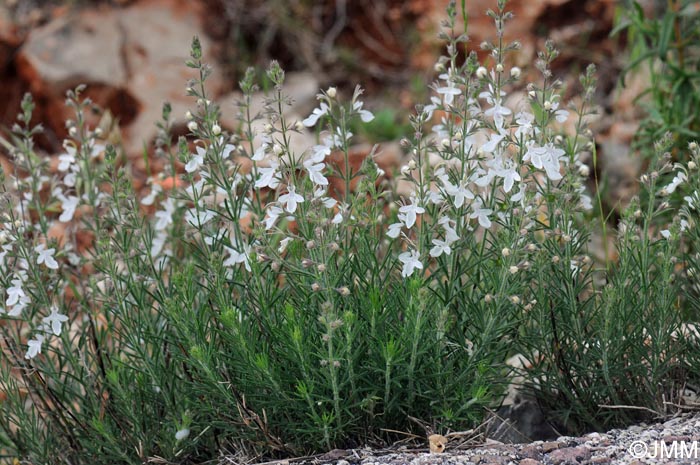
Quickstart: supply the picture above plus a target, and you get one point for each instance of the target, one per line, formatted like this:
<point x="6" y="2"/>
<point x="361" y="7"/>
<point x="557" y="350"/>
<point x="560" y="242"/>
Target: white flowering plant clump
<point x="277" y="302"/>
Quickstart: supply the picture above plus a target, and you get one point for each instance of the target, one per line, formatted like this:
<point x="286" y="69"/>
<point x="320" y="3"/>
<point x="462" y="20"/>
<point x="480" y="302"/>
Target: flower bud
<point x="412" y="165"/>
<point x="192" y="126"/>
<point x="515" y="72"/>
<point x="555" y="259"/>
<point x="344" y="291"/>
<point x="693" y="146"/>
<point x="584" y="171"/>
<point x="547" y="105"/>
<point x="488" y="298"/>
<point x="481" y="72"/>
<point x="98" y="132"/>
<point x="515" y="299"/>
<point x="321" y="267"/>
<point x="332" y="92"/>
<point x="277" y="149"/>
<point x="299" y="126"/>
<point x="216" y="129"/>
<point x="692" y="165"/>
<point x="315" y="287"/>
<point x="505" y="252"/>
<point x="189" y="116"/>
<point x="499" y="68"/>
<point x="513" y="269"/>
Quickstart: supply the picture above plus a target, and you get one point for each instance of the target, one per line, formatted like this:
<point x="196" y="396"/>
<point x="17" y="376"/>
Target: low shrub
<point x="264" y="302"/>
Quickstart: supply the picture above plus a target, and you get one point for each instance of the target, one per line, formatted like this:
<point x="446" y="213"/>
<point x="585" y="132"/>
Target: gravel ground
<point x="673" y="442"/>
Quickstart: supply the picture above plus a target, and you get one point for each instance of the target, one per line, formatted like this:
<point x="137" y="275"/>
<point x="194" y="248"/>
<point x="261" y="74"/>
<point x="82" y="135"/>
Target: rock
<point x="569" y="455"/>
<point x="132" y="60"/>
<point x="550" y="446"/>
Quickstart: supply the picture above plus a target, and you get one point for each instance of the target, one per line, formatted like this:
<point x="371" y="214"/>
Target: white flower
<point x="228" y="148"/>
<point x="560" y="115"/>
<point x="68" y="205"/>
<point x="666" y="233"/>
<point x="493" y="142"/>
<point x="525" y="122"/>
<point x="319" y="152"/>
<point x="264" y="146"/>
<point x="394" y="230"/>
<point x="315" y="169"/>
<point x="546" y="158"/>
<point x="182" y="434"/>
<point x="411" y="262"/>
<point x="54" y="320"/>
<point x="450" y="233"/>
<point x="17" y="309"/>
<point x="365" y="115"/>
<point x="34" y="346"/>
<point x="67" y="159"/>
<point x="236" y="257"/>
<point x="158" y="243"/>
<point x="150" y="198"/>
<point x="3" y="252"/>
<point x="315" y="115"/>
<point x="273" y="213"/>
<point x="509" y="173"/>
<point x="498" y="112"/>
<point x="291" y="198"/>
<point x="460" y="192"/>
<point x="165" y="216"/>
<point x="14" y="292"/>
<point x="429" y="109"/>
<point x="520" y="195"/>
<point x="408" y="213"/>
<point x="677" y="180"/>
<point x="46" y="257"/>
<point x="449" y="92"/>
<point x="440" y="248"/>
<point x="268" y="176"/>
<point x="196" y="161"/>
<point x="482" y="214"/>
<point x="283" y="244"/>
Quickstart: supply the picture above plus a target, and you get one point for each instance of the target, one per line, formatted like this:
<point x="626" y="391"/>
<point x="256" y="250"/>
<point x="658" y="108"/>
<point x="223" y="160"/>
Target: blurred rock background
<point x="131" y="55"/>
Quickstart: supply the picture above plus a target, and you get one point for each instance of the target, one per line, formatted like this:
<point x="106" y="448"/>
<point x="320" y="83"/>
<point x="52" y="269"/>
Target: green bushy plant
<point x="277" y="303"/>
<point x="666" y="43"/>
